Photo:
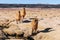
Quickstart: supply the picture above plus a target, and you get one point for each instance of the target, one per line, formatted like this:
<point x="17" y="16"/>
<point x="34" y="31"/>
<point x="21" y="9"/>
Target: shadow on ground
<point x="26" y="21"/>
<point x="43" y="31"/>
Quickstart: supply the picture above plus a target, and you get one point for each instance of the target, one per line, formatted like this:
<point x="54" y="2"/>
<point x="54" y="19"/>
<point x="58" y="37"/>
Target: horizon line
<point x="27" y="3"/>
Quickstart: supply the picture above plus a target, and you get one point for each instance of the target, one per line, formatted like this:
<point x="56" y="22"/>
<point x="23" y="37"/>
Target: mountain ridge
<point x="30" y="5"/>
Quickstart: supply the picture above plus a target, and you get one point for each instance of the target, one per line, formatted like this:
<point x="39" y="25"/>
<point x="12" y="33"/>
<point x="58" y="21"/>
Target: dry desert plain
<point x="48" y="23"/>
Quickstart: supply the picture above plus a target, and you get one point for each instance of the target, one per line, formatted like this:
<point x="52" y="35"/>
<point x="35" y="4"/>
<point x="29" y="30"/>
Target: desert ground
<point x="48" y="23"/>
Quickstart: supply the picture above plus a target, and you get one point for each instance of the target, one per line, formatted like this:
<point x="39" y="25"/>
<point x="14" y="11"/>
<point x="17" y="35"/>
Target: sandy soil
<point x="49" y="21"/>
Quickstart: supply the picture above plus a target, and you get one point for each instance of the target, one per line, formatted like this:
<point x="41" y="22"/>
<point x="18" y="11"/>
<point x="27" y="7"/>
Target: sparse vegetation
<point x="43" y="27"/>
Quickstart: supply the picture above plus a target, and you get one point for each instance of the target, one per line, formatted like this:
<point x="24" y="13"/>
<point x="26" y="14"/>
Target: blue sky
<point x="30" y="1"/>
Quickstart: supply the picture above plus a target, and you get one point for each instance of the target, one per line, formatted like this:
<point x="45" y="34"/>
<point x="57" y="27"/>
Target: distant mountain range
<point x="30" y="5"/>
